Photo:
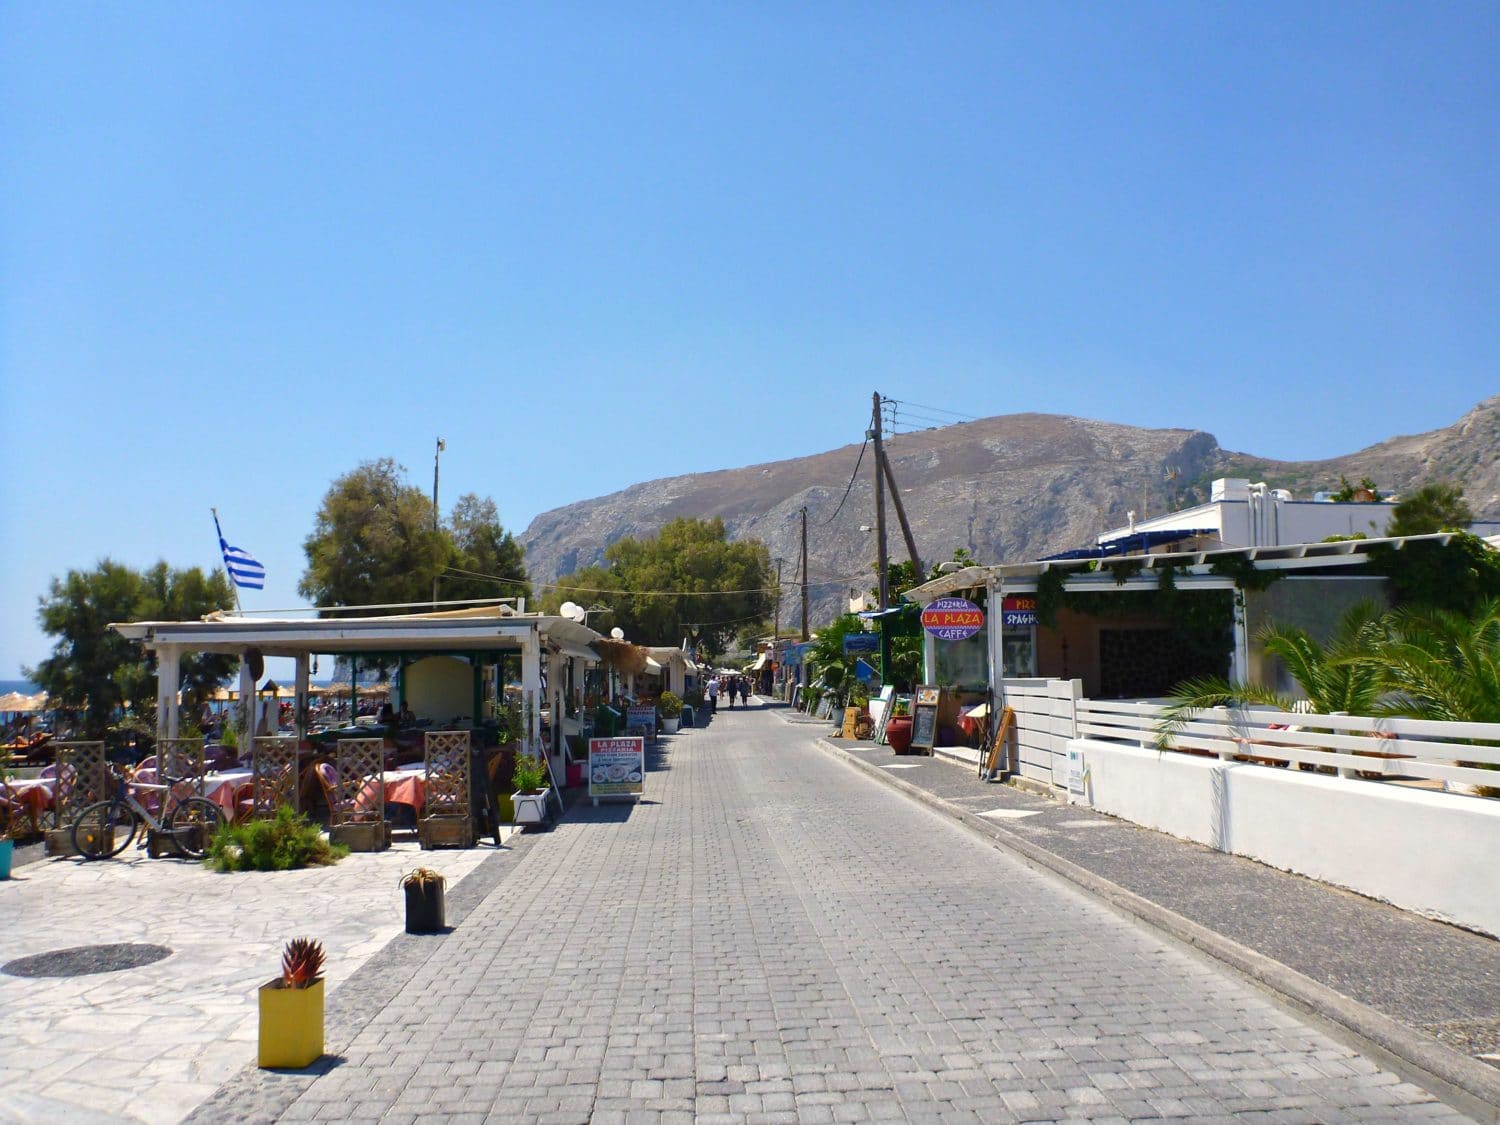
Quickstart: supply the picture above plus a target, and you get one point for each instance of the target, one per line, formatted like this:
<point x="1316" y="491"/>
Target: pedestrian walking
<point x="713" y="694"/>
<point x="745" y="691"/>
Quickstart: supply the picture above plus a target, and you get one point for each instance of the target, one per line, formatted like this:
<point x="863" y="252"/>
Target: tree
<point x="487" y="561"/>
<point x="1438" y="506"/>
<point x="94" y="670"/>
<point x="687" y="580"/>
<point x="375" y="542"/>
<point x="1338" y="677"/>
<point x="1442" y="665"/>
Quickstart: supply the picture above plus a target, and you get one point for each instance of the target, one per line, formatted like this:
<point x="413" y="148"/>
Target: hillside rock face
<point x="1010" y="489"/>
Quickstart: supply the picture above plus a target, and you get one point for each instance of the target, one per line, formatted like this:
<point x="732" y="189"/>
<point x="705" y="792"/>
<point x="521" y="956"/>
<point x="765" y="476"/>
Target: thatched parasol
<point x="624" y="657"/>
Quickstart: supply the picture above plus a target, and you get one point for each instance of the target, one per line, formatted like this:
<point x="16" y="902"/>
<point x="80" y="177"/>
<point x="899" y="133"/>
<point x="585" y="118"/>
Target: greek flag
<point x="243" y="569"/>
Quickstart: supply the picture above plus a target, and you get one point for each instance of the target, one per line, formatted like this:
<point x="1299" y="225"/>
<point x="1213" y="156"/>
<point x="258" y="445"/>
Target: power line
<point x="613" y="593"/>
<point x="852" y="478"/>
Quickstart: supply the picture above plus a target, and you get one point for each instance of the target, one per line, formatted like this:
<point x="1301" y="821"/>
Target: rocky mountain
<point x="1010" y="489"/>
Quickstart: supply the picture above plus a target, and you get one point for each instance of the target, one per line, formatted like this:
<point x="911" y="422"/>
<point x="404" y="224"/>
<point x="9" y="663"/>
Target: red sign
<point x="952" y="619"/>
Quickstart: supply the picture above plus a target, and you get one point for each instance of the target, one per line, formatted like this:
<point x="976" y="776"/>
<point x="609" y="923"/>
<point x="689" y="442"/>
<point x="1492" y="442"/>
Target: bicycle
<point x="106" y="828"/>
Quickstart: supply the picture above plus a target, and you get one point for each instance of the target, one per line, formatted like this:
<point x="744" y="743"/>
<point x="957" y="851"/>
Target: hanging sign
<point x="952" y="619"/>
<point x="1018" y="611"/>
<point x="617" y="767"/>
<point x="861" y="642"/>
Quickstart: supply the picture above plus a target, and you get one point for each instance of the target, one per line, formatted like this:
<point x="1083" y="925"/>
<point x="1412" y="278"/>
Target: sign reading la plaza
<point x="952" y="619"/>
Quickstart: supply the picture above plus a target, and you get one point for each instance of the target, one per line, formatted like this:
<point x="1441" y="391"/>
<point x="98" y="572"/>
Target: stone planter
<point x="669" y="726"/>
<point x="530" y="808"/>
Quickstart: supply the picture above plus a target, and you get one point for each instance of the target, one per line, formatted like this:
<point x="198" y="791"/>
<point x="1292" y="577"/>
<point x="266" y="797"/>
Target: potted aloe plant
<point x="291" y="1008"/>
<point x="8" y="816"/>
<point x="529" y="801"/>
<point x="424" y="901"/>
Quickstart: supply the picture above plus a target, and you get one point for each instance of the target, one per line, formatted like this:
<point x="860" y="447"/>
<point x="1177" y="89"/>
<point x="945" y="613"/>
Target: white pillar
<point x="168" y="677"/>
<point x="995" y="600"/>
<point x="247" y="705"/>
<point x="531" y="688"/>
<point x="1239" y="660"/>
<point x="929" y="658"/>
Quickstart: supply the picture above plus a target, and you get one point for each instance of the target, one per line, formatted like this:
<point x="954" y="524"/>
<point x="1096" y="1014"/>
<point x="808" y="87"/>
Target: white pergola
<point x="542" y="642"/>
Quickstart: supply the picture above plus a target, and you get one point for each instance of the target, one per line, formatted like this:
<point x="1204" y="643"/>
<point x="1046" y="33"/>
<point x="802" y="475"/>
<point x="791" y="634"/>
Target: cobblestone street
<point x="772" y="936"/>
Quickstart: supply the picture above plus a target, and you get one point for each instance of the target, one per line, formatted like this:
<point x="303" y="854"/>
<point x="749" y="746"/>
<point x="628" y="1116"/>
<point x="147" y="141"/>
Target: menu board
<point x="643" y="716"/>
<point x="617" y="767"/>
<point x="924" y="716"/>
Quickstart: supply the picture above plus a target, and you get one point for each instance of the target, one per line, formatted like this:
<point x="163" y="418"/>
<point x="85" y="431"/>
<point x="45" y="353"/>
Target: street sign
<point x="952" y="619"/>
<point x="861" y="642"/>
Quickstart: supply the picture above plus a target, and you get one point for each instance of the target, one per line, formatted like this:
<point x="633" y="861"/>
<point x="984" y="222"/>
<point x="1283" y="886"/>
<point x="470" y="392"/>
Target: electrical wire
<point x="852" y="478"/>
<point x="612" y="593"/>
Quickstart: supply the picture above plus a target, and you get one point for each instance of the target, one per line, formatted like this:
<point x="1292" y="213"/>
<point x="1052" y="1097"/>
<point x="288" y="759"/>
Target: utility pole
<point x="776" y="630"/>
<point x="804" y="573"/>
<point x="882" y="560"/>
<point x="911" y="543"/>
<point x="441" y="445"/>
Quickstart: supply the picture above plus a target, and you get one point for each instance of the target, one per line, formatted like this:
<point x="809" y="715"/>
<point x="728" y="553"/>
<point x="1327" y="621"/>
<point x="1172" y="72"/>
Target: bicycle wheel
<point x="104" y="829"/>
<point x="193" y="824"/>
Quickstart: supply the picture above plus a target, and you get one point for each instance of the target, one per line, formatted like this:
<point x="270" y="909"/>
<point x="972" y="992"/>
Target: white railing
<point x="1351" y="745"/>
<point x="1045" y="724"/>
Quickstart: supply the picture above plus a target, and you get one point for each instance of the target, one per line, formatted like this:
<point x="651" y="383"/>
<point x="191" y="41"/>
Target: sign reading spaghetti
<point x="952" y="619"/>
<point x="617" y="767"/>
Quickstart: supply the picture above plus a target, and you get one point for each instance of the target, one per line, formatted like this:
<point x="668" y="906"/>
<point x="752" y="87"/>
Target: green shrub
<point x="530" y="775"/>
<point x="669" y="705"/>
<point x="287" y="842"/>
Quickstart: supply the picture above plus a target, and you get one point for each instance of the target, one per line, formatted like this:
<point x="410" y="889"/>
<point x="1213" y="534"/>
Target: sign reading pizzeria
<point x="617" y="767"/>
<point x="952" y="619"/>
<point x="1018" y="611"/>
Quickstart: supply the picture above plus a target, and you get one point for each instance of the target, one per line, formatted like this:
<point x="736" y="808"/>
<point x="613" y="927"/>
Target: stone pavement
<point x="772" y="937"/>
<point x="149" y="1044"/>
<point x="1418" y="982"/>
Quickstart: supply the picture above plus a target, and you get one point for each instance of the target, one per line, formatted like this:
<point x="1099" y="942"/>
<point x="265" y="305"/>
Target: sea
<point x="25" y="687"/>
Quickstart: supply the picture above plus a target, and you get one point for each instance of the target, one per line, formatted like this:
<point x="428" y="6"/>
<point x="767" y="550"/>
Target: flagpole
<point x="233" y="585"/>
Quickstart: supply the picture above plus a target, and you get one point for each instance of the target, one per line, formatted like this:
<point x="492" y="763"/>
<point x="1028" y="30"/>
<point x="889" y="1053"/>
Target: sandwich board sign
<point x="617" y="767"/>
<point x="924" y="711"/>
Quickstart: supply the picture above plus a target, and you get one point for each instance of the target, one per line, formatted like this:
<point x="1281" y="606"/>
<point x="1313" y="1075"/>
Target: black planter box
<point x="424" y="908"/>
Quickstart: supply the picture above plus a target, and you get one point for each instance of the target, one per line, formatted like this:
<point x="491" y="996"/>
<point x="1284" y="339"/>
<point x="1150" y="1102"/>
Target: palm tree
<point x="1335" y="678"/>
<point x="1442" y="665"/>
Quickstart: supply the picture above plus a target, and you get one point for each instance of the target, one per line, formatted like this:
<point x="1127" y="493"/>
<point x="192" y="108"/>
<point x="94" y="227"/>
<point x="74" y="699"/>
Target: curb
<point x="1465" y="1084"/>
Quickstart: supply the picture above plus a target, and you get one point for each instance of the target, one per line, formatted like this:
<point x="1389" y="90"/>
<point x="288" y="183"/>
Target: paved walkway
<point x="149" y="1044"/>
<point x="772" y="936"/>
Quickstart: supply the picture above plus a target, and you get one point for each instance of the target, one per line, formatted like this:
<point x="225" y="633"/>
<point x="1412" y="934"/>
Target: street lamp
<point x="441" y="445"/>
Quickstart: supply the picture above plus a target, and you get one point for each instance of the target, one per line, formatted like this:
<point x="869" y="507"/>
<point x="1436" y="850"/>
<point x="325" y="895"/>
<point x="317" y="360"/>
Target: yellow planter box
<point x="291" y="1025"/>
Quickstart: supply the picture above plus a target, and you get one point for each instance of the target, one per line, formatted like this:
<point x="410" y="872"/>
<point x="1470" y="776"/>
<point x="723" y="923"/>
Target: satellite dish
<point x="572" y="611"/>
<point x="617" y="633"/>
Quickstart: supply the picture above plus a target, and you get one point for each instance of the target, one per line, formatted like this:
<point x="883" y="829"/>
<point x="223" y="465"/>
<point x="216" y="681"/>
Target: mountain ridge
<point x="1010" y="488"/>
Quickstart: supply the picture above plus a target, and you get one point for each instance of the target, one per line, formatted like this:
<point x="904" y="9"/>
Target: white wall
<point x="440" y="688"/>
<point x="1428" y="852"/>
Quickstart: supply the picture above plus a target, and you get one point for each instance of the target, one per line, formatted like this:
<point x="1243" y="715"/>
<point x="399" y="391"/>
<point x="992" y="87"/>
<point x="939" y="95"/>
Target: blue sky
<point x="244" y="248"/>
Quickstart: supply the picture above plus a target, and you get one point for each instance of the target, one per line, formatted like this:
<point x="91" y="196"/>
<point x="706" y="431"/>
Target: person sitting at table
<point x="387" y="714"/>
<point x="407" y="718"/>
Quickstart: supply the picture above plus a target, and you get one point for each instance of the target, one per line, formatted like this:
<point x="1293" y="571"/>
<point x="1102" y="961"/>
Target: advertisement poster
<point x="1018" y="611"/>
<point x="643" y="716"/>
<point x="617" y="767"/>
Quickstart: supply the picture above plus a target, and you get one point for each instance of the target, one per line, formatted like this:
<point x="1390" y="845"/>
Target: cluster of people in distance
<point x="728" y="686"/>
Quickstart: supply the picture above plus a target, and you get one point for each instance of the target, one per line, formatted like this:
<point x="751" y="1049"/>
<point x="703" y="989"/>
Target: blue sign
<point x="864" y="673"/>
<point x="861" y="642"/>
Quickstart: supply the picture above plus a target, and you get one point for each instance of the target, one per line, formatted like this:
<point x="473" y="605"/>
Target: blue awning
<point x="1137" y="542"/>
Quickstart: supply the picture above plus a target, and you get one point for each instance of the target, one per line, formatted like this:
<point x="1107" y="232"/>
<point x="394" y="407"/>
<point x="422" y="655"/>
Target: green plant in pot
<point x="424" y="901"/>
<point x="671" y="711"/>
<point x="529" y="779"/>
<point x="291" y="1009"/>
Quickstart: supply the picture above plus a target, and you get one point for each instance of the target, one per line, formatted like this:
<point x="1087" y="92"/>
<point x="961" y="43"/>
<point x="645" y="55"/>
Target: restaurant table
<point x="221" y="786"/>
<point x="406" y="787"/>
